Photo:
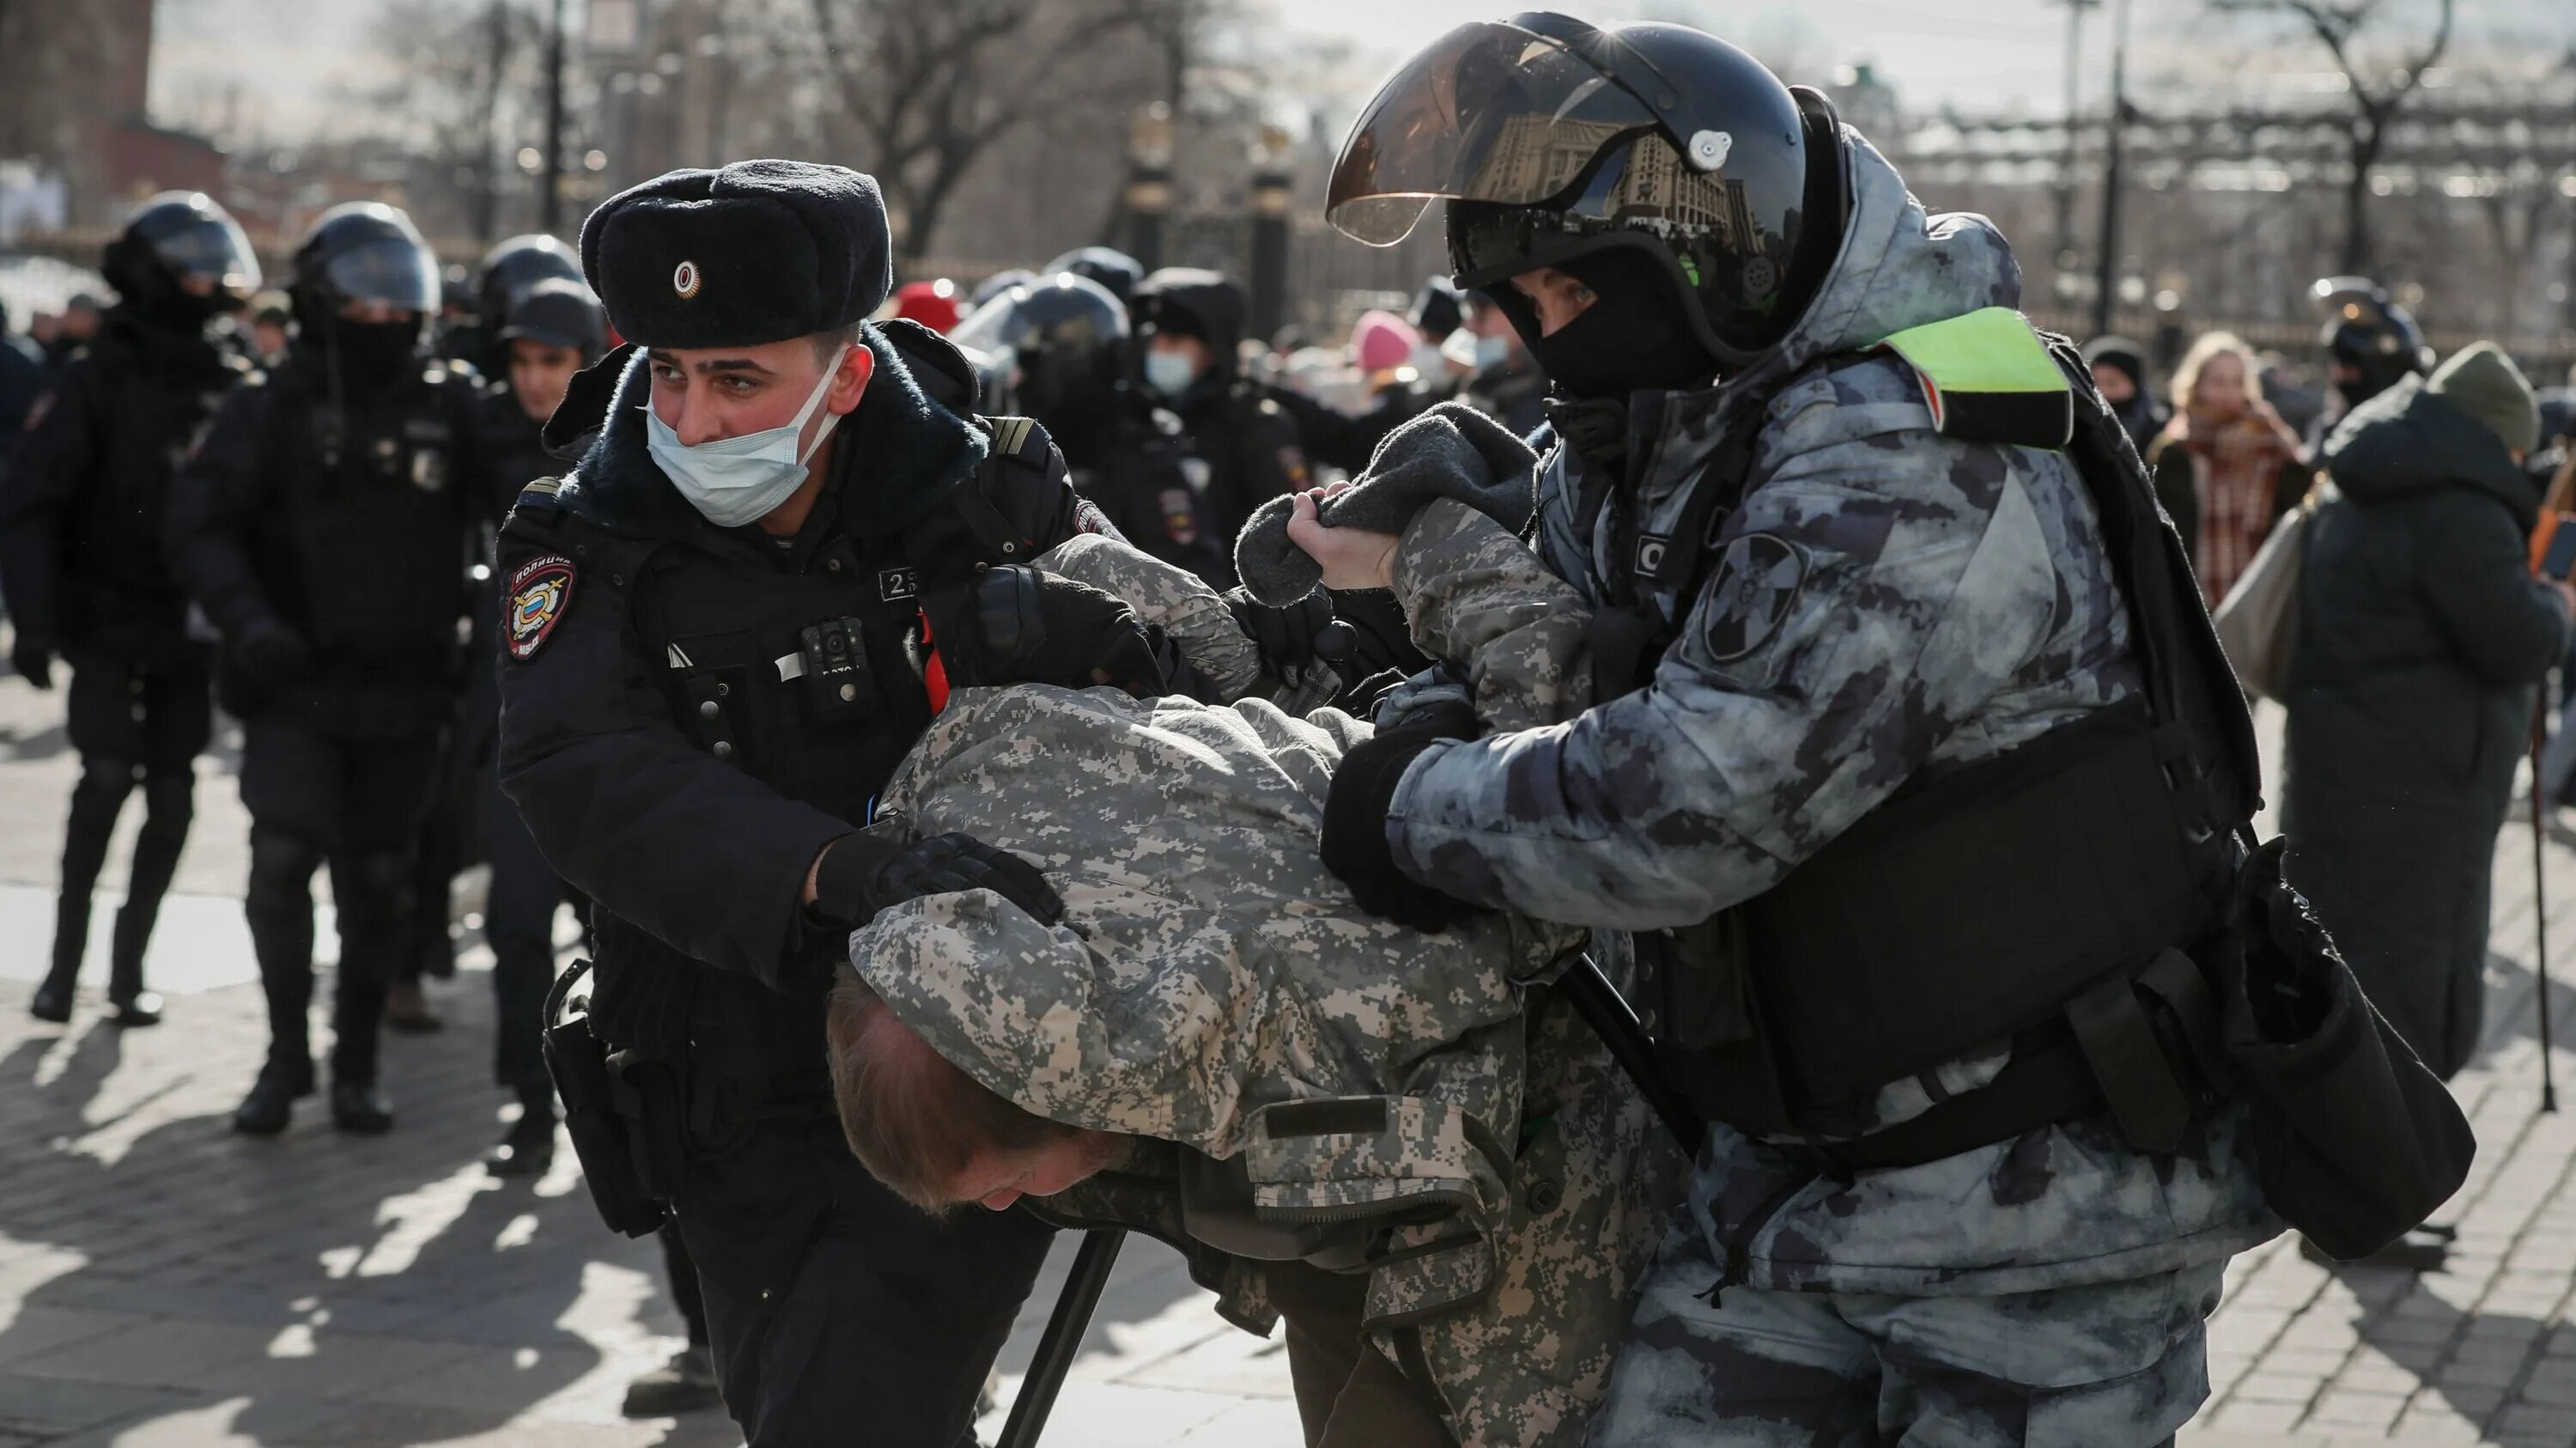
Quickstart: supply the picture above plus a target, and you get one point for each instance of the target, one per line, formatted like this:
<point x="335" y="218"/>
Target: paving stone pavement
<point x="165" y="1282"/>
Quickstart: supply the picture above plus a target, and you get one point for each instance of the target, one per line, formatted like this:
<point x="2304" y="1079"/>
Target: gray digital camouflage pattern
<point x="1209" y="970"/>
<point x="1923" y="601"/>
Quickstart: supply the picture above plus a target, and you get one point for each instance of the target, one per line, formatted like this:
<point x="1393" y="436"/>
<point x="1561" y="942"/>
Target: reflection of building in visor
<point x="387" y="270"/>
<point x="1488" y="113"/>
<point x="212" y="252"/>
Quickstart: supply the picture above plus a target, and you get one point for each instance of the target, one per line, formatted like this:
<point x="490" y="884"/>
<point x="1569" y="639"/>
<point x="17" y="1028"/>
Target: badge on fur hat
<point x="685" y="279"/>
<point x="538" y="593"/>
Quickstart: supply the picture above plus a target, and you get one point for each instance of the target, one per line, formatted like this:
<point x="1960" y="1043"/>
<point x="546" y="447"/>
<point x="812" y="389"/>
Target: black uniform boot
<point x="271" y="1102"/>
<point x="361" y="1107"/>
<point x="528" y="1147"/>
<point x="169" y="805"/>
<point x="101" y="792"/>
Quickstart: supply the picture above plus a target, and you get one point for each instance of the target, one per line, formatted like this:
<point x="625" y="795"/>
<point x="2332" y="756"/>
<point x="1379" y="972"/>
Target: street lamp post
<point x="1271" y="184"/>
<point x="550" y="200"/>
<point x="2108" y="278"/>
<point x="1149" y="182"/>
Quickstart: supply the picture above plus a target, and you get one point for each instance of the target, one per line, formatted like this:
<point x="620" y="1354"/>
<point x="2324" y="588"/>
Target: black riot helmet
<point x="1552" y="141"/>
<point x="181" y="258"/>
<point x="1116" y="271"/>
<point x="512" y="270"/>
<point x="363" y="251"/>
<point x="559" y="312"/>
<point x="2370" y="334"/>
<point x="1062" y="344"/>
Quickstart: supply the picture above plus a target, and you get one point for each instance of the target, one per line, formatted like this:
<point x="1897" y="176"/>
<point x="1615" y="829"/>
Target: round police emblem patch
<point x="1756" y="582"/>
<point x="538" y="593"/>
<point x="684" y="279"/>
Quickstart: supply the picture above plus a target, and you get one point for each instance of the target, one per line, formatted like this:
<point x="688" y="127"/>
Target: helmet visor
<point x="391" y="270"/>
<point x="211" y="251"/>
<point x="1490" y="113"/>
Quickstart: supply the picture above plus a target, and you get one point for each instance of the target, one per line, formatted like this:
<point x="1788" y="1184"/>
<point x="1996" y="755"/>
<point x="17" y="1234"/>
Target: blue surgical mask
<point x="736" y="480"/>
<point x="1170" y="373"/>
<point x="1490" y="351"/>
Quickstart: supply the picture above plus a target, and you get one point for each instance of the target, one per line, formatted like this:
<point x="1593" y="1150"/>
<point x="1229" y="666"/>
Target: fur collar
<point x="896" y="456"/>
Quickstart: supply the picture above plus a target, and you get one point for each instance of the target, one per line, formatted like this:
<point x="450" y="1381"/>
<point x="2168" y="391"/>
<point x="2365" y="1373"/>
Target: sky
<point x="285" y="61"/>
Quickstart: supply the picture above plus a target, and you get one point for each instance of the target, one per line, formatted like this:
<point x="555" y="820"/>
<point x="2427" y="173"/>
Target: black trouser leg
<point x="374" y="891"/>
<point x="519" y="921"/>
<point x="96" y="799"/>
<point x="684" y="1282"/>
<point x="280" y="906"/>
<point x="170" y="803"/>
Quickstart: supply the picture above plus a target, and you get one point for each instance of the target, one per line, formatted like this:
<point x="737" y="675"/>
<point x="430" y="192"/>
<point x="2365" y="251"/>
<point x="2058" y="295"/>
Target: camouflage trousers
<point x="2106" y="1365"/>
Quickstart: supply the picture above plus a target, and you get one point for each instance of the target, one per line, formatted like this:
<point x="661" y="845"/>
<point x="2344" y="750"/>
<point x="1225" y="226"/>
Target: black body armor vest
<point x="2038" y="896"/>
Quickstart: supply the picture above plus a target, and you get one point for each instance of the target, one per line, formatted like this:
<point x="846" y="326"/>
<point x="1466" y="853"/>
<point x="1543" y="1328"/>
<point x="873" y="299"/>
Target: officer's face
<point x="707" y="393"/>
<point x="2114" y="383"/>
<point x="998" y="1179"/>
<point x="367" y="311"/>
<point x="1190" y="347"/>
<point x="540" y="375"/>
<point x="1556" y="296"/>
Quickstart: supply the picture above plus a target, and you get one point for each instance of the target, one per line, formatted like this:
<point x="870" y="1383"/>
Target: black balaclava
<point x="1632" y="339"/>
<point x="372" y="356"/>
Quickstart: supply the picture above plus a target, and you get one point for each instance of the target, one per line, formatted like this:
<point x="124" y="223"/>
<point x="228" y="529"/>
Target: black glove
<point x="32" y="655"/>
<point x="1285" y="635"/>
<point x="863" y="874"/>
<point x="1024" y="626"/>
<point x="1355" y="846"/>
<point x="273" y="654"/>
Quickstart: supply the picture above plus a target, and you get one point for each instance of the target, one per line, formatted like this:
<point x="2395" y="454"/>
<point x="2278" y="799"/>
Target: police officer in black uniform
<point x="80" y="551"/>
<point x="323" y="526"/>
<point x="2371" y="343"/>
<point x="1246" y="446"/>
<point x="512" y="270"/>
<point x="719" y="635"/>
<point x="1062" y="350"/>
<point x="547" y="333"/>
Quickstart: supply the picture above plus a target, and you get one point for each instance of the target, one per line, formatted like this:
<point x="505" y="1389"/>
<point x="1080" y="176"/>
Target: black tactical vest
<point x="370" y="528"/>
<point x="2030" y="897"/>
<point x="148" y="411"/>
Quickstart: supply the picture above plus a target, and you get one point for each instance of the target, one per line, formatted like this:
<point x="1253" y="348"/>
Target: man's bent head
<point x="932" y="1133"/>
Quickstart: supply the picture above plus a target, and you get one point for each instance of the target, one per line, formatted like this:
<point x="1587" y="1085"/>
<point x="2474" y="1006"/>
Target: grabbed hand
<point x="1350" y="557"/>
<point x="1026" y="626"/>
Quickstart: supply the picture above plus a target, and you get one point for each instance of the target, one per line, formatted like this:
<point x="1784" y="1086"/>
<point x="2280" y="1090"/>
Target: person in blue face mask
<point x="1241" y="443"/>
<point x="788" y="535"/>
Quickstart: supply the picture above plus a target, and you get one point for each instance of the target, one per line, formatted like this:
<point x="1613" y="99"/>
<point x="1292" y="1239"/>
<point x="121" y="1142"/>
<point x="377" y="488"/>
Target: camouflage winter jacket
<point x="1210" y="976"/>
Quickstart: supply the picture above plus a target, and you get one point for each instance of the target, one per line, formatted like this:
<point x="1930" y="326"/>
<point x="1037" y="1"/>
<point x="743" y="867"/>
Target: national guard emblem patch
<point x="538" y="593"/>
<point x="1756" y="583"/>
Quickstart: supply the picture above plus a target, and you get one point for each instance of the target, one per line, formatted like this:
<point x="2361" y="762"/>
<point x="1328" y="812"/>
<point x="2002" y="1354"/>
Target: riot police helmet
<point x="1062" y="343"/>
<point x="183" y="255"/>
<point x="2370" y="341"/>
<point x="1549" y="140"/>
<point x="1114" y="270"/>
<point x="368" y="253"/>
<point x="559" y="312"/>
<point x="996" y="284"/>
<point x="512" y="270"/>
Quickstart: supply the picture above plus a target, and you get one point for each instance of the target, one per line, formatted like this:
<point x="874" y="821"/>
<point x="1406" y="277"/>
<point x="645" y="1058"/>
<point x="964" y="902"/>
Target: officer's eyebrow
<point x="708" y="366"/>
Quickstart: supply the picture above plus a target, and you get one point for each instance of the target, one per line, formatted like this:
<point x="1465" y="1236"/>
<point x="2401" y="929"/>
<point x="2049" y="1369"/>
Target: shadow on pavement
<point x="313" y="1289"/>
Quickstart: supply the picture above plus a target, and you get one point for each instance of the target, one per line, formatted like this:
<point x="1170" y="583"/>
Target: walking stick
<point x="1063" y="1338"/>
<point x="2540" y="900"/>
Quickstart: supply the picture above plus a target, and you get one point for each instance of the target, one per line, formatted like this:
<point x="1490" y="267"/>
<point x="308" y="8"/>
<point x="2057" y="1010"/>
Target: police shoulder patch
<point x="1756" y="582"/>
<point x="538" y="592"/>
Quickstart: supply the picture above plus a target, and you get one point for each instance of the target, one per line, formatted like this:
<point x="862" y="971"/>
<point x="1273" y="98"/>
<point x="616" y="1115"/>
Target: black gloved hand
<point x="273" y="654"/>
<point x="863" y="874"/>
<point x="32" y="655"/>
<point x="1285" y="635"/>
<point x="1355" y="844"/>
<point x="1025" y="626"/>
